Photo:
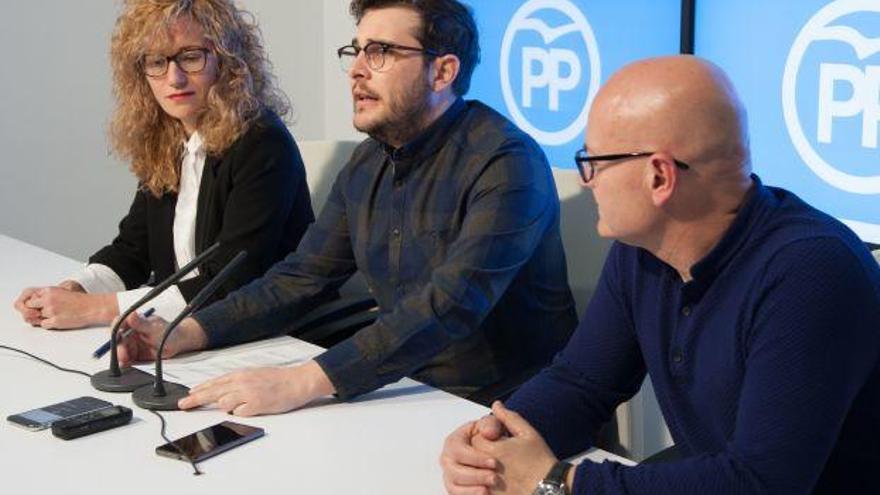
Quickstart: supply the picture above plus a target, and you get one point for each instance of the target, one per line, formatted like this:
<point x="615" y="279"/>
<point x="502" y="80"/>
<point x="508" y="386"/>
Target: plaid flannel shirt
<point x="457" y="235"/>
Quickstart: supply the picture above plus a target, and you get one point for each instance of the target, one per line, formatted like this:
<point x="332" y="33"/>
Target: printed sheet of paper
<point x="193" y="369"/>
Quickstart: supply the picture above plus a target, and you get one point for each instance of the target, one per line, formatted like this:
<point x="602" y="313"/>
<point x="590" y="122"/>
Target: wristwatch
<point x="554" y="482"/>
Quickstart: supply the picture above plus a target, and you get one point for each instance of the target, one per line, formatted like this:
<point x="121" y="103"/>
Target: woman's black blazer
<point x="252" y="197"/>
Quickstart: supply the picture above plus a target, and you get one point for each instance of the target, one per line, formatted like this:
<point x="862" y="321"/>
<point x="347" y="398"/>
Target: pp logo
<point x="550" y="68"/>
<point x="830" y="85"/>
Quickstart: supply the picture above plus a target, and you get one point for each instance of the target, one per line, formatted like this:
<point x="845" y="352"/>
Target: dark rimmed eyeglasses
<point x="191" y="60"/>
<point x="376" y="52"/>
<point x="586" y="164"/>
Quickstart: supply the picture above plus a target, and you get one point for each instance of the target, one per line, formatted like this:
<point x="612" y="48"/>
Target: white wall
<point x="290" y="31"/>
<point x="339" y="29"/>
<point x="57" y="179"/>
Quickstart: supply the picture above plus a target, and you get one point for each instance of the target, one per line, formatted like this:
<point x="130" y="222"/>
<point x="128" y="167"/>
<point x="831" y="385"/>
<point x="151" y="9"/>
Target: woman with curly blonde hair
<point x="198" y="117"/>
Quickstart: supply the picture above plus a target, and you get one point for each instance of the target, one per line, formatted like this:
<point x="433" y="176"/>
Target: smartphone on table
<point x="210" y="441"/>
<point x="43" y="417"/>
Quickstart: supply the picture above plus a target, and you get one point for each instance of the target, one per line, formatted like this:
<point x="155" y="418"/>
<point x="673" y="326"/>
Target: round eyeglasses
<point x="191" y="60"/>
<point x="376" y="53"/>
<point x="586" y="164"/>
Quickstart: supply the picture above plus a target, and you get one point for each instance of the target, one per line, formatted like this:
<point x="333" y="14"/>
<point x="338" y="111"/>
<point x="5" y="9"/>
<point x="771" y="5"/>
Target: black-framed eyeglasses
<point x="586" y="164"/>
<point x="191" y="60"/>
<point x="376" y="52"/>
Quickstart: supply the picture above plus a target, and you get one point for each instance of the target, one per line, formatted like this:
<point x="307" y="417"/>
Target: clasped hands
<point x="65" y="306"/>
<point x="501" y="453"/>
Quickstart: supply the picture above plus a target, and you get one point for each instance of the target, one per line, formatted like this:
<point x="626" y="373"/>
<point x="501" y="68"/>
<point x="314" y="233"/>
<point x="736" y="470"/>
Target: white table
<point x="384" y="443"/>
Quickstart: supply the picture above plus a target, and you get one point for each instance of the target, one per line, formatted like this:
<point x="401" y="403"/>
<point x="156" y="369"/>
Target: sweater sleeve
<point x="812" y="346"/>
<point x="600" y="368"/>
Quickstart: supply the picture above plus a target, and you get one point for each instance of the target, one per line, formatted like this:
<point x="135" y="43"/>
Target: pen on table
<point x="99" y="353"/>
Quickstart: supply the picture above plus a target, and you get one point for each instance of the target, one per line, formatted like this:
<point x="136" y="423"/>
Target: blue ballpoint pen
<point x="99" y="353"/>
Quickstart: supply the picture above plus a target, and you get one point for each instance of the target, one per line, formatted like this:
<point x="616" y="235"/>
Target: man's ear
<point x="445" y="72"/>
<point x="664" y="177"/>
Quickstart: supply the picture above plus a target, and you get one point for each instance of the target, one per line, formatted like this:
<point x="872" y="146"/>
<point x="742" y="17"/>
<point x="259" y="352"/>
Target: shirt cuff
<point x="349" y="370"/>
<point x="168" y="304"/>
<point x="98" y="279"/>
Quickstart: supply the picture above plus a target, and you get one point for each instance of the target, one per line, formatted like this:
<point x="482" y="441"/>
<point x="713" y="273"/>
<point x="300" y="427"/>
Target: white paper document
<point x="196" y="368"/>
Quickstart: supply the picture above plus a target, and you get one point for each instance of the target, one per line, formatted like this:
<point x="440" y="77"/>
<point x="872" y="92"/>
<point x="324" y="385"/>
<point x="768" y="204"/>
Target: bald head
<point x="682" y="105"/>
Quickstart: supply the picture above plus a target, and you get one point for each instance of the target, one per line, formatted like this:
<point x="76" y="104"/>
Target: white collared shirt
<point x="98" y="278"/>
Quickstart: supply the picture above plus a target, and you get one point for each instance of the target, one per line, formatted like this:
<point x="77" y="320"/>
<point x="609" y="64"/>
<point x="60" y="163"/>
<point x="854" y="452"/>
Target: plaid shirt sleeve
<point x="265" y="307"/>
<point x="509" y="210"/>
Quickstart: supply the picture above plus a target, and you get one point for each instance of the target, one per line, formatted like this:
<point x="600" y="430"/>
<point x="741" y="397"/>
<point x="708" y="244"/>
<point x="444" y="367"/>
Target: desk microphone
<point x="161" y="396"/>
<point x="119" y="380"/>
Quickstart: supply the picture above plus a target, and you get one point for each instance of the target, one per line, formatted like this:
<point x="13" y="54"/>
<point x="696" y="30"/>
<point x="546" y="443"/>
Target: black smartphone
<point x="93" y="422"/>
<point x="211" y="441"/>
<point x="43" y="417"/>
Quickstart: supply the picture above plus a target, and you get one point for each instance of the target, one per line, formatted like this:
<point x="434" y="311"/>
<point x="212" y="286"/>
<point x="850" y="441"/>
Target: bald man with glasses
<point x="756" y="317"/>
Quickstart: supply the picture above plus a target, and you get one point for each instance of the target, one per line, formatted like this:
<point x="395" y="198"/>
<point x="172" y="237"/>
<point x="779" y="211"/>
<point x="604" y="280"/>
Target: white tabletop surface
<point x="387" y="442"/>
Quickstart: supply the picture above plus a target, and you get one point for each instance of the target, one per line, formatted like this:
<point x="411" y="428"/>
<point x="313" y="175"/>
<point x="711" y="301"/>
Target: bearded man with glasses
<point x="448" y="210"/>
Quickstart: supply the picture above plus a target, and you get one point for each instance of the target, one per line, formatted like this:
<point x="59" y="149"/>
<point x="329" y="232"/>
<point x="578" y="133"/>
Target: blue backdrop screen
<point x="809" y="74"/>
<point x="544" y="60"/>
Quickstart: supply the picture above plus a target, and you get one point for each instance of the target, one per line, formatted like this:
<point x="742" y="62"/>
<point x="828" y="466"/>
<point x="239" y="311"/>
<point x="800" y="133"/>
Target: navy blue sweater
<point x="765" y="365"/>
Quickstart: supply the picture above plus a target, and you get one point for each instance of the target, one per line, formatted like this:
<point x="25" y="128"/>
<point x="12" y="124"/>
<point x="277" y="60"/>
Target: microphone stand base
<point x="130" y="380"/>
<point x="146" y="398"/>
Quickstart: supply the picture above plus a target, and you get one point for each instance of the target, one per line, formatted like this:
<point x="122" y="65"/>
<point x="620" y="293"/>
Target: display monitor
<point x="809" y="74"/>
<point x="544" y="60"/>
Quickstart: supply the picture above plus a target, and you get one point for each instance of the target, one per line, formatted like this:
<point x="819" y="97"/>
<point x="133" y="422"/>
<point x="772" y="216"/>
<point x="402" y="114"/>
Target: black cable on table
<point x="196" y="471"/>
<point x="60" y="368"/>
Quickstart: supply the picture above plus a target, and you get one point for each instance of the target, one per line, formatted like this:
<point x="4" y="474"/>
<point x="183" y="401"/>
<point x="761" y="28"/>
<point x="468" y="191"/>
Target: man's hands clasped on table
<point x="499" y="454"/>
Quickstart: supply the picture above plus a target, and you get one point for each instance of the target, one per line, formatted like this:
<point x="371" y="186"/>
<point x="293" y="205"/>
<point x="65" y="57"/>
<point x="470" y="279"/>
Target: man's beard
<point x="406" y="117"/>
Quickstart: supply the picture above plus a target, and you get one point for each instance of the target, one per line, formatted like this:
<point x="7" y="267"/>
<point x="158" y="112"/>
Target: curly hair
<point x="141" y="132"/>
